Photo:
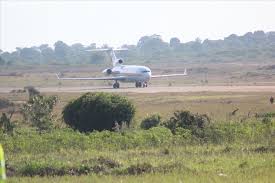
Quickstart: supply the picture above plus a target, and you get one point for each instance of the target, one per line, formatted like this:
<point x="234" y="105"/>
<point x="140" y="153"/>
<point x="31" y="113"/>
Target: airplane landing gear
<point x="141" y="84"/>
<point x="138" y="84"/>
<point x="116" y="85"/>
<point x="145" y="84"/>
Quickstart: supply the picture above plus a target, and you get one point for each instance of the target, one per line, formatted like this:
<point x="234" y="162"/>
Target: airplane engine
<point x="109" y="71"/>
<point x="120" y="61"/>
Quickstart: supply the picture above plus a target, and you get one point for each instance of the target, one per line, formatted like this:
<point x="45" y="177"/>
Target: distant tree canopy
<point x="174" y="42"/>
<point x="2" y="61"/>
<point x="256" y="45"/>
<point x="152" y="46"/>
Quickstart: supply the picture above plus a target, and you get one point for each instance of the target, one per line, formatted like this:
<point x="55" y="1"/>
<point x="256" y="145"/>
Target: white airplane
<point x="140" y="75"/>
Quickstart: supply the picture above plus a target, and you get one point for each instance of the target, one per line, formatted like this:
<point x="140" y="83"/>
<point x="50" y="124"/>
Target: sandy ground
<point x="155" y="89"/>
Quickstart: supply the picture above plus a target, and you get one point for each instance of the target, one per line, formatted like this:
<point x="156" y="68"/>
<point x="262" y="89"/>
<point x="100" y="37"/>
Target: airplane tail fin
<point x="57" y="75"/>
<point x="185" y="71"/>
<point x="113" y="57"/>
<point x="111" y="53"/>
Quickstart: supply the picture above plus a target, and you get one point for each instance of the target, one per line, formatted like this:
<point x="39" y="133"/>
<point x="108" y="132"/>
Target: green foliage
<point x="185" y="119"/>
<point x="38" y="111"/>
<point x="98" y="111"/>
<point x="32" y="91"/>
<point x="150" y="121"/>
<point x="266" y="115"/>
<point x="4" y="103"/>
<point x="140" y="169"/>
<point x="183" y="133"/>
<point x="2" y="61"/>
<point x="251" y="132"/>
<point x="266" y="120"/>
<point x="50" y="168"/>
<point x="6" y="125"/>
<point x="59" y="140"/>
<point x="68" y="152"/>
<point x="251" y="47"/>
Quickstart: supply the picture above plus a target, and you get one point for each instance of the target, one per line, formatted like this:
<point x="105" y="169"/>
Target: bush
<point x="185" y="119"/>
<point x="98" y="111"/>
<point x="140" y="169"/>
<point x="6" y="125"/>
<point x="266" y="120"/>
<point x="4" y="103"/>
<point x="265" y="115"/>
<point x="38" y="111"/>
<point x="32" y="91"/>
<point x="150" y="121"/>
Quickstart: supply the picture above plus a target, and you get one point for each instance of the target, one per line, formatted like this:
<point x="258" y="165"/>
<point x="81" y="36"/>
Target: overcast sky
<point x="29" y="23"/>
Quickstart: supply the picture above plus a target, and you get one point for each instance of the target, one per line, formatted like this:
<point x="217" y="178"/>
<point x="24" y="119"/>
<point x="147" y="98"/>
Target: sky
<point x="32" y="23"/>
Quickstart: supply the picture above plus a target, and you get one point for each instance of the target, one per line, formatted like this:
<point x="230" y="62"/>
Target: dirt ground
<point x="154" y="89"/>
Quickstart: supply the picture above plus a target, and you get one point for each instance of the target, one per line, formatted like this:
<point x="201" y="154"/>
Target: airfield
<point x="245" y="89"/>
<point x="166" y="89"/>
<point x="154" y="89"/>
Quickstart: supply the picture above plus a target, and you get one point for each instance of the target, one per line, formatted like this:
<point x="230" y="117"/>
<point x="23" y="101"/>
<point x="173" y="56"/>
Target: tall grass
<point x="224" y="148"/>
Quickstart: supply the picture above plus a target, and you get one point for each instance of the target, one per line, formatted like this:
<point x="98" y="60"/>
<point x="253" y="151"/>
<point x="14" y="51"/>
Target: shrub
<point x="4" y="103"/>
<point x="185" y="119"/>
<point x="38" y="111"/>
<point x="183" y="132"/>
<point x="32" y="91"/>
<point x="98" y="111"/>
<point x="6" y="125"/>
<point x="140" y="169"/>
<point x="266" y="120"/>
<point x="150" y="121"/>
<point x="265" y="115"/>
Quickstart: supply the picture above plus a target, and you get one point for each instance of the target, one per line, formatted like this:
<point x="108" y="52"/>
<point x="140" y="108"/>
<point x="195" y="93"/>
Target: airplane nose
<point x="148" y="75"/>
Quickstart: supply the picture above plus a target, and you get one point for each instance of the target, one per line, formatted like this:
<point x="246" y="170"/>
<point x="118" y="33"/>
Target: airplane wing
<point x="170" y="75"/>
<point x="88" y="78"/>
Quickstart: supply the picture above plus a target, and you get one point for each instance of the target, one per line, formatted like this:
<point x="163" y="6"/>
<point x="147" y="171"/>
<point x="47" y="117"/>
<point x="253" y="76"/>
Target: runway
<point x="152" y="89"/>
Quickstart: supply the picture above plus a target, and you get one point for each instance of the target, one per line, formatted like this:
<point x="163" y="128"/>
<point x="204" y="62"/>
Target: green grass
<point x="238" y="148"/>
<point x="217" y="105"/>
<point x="251" y="175"/>
<point x="229" y="152"/>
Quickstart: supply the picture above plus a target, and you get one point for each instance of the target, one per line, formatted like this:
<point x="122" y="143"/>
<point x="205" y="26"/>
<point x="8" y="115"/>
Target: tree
<point x="150" y="121"/>
<point x="271" y="37"/>
<point x="2" y="61"/>
<point x="77" y="47"/>
<point x="38" y="111"/>
<point x="98" y="111"/>
<point x="174" y="42"/>
<point x="92" y="46"/>
<point x="185" y="119"/>
<point x="30" y="55"/>
<point x="97" y="57"/>
<point x="61" y="50"/>
<point x="152" y="46"/>
<point x="47" y="53"/>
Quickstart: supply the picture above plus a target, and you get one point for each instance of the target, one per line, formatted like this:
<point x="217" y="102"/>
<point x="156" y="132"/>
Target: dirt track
<point x="156" y="89"/>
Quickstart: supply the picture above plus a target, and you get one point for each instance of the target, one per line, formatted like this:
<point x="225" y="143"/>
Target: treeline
<point x="248" y="47"/>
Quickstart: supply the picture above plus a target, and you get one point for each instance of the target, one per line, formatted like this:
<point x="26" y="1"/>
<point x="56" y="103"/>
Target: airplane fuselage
<point x="133" y="73"/>
<point x="140" y="75"/>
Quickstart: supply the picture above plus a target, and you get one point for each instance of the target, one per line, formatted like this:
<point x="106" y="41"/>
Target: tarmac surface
<point x="152" y="89"/>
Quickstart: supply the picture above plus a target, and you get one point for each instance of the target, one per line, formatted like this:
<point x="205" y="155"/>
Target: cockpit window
<point x="144" y="71"/>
